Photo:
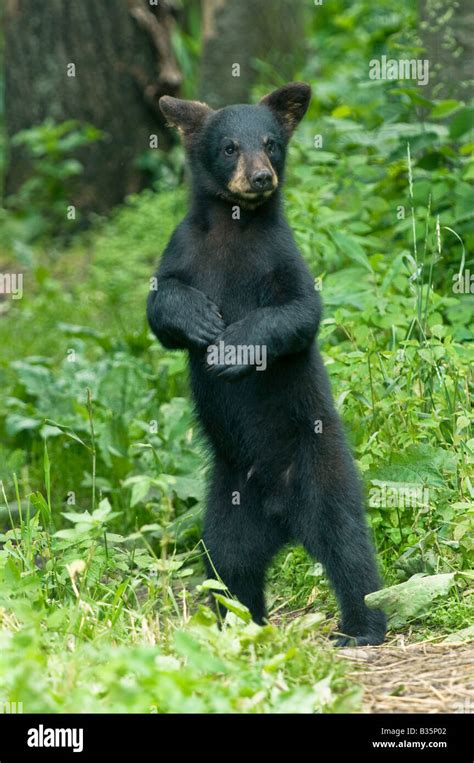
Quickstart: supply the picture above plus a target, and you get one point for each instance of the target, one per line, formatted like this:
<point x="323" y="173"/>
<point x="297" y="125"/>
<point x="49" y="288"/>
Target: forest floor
<point x="414" y="678"/>
<point x="402" y="675"/>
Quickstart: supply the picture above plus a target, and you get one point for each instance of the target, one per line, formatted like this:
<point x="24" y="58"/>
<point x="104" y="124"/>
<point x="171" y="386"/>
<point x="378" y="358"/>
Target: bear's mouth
<point x="251" y="195"/>
<point x="247" y="198"/>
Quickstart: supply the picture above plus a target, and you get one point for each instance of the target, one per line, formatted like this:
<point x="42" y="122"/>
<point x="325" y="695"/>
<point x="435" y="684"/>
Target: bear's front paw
<point x="203" y="324"/>
<point x="229" y="373"/>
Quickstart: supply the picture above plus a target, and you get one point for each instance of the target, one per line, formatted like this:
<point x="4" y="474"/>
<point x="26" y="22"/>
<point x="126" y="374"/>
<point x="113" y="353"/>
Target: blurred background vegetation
<point x="102" y="598"/>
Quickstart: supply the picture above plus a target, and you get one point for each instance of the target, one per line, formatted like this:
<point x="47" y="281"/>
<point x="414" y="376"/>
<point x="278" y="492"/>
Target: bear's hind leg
<point x="331" y="524"/>
<point x="239" y="539"/>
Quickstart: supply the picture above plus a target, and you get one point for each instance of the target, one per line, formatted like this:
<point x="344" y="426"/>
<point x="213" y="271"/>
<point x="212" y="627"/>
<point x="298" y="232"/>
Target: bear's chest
<point x="234" y="274"/>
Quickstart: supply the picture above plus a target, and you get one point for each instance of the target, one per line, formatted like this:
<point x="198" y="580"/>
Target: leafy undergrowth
<point x="95" y="621"/>
<point x="102" y="602"/>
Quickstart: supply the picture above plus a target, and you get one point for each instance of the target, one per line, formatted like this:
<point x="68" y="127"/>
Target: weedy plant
<point x="42" y="199"/>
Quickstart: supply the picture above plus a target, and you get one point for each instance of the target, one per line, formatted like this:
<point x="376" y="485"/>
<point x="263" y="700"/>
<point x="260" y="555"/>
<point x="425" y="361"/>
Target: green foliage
<point x="95" y="620"/>
<point x="412" y="599"/>
<point x="125" y="410"/>
<point x="187" y="43"/>
<point x="41" y="202"/>
<point x="101" y="574"/>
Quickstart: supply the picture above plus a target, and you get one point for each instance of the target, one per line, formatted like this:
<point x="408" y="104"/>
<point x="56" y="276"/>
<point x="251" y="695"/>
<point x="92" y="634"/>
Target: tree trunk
<point x="238" y="33"/>
<point x="447" y="33"/>
<point x="122" y="63"/>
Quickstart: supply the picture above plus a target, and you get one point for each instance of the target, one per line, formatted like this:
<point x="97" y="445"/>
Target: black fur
<point x="276" y="477"/>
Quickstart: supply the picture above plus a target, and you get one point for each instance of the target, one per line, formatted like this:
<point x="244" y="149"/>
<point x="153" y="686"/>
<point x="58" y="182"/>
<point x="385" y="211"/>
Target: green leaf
<point x="140" y="489"/>
<point x="351" y="248"/>
<point x="420" y="464"/>
<point x="35" y="378"/>
<point x="234" y="606"/>
<point x="196" y="654"/>
<point x="466" y="634"/>
<point x="412" y="599"/>
<point x="212" y="585"/>
<point x="461" y="123"/>
<point x="16" y="422"/>
<point x="67" y="431"/>
<point x="445" y="108"/>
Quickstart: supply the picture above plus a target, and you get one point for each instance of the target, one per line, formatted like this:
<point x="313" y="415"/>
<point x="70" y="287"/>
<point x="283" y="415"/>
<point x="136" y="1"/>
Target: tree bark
<point x="241" y="32"/>
<point x="123" y="62"/>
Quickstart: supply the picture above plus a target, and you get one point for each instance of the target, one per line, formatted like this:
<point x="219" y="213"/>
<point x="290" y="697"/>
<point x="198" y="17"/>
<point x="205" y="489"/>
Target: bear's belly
<point x="256" y="414"/>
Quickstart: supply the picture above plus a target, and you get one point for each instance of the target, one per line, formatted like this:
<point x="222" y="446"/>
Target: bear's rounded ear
<point x="289" y="104"/>
<point x="186" y="116"/>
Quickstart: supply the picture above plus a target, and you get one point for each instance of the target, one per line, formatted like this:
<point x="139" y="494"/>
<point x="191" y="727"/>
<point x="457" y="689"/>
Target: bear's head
<point x="238" y="152"/>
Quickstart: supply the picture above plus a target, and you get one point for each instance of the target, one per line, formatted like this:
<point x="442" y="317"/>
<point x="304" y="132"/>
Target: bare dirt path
<point x="414" y="678"/>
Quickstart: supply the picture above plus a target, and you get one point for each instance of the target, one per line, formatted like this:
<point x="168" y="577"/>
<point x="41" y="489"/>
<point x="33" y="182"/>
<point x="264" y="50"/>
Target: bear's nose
<point x="261" y="180"/>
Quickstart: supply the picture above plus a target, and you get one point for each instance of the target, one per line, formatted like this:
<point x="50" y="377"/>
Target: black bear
<point x="233" y="290"/>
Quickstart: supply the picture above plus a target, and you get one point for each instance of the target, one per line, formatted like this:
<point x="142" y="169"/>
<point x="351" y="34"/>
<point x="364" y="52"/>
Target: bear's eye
<point x="270" y="146"/>
<point x="230" y="149"/>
